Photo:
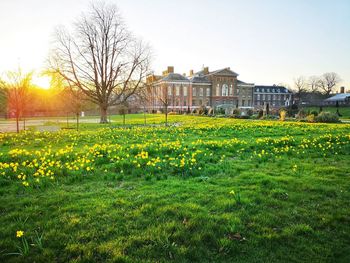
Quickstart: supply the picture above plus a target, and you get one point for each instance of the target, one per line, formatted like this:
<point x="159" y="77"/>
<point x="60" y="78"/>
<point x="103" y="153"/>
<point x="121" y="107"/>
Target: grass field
<point x="201" y="190"/>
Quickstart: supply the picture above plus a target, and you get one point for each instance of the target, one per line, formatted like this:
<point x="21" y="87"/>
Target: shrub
<point x="301" y="114"/>
<point x="283" y="114"/>
<point x="310" y="118"/>
<point x="250" y="112"/>
<point x="314" y="112"/>
<point x="236" y="112"/>
<point x="327" y="117"/>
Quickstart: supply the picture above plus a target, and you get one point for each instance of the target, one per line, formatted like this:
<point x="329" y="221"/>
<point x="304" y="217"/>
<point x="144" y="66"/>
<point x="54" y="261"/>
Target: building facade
<point x="275" y="96"/>
<point x="210" y="89"/>
<point x="177" y="92"/>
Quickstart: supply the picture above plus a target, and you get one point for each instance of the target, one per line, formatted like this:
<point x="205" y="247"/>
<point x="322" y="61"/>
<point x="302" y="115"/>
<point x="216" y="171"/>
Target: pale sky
<point x="265" y="42"/>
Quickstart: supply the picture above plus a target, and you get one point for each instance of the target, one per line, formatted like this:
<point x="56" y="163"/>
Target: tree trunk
<point x="17" y="122"/>
<point x="103" y="118"/>
<point x="166" y="116"/>
<point x="77" y="121"/>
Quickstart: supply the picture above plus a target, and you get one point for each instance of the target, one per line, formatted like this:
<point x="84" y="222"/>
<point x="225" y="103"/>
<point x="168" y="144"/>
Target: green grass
<point x="290" y="199"/>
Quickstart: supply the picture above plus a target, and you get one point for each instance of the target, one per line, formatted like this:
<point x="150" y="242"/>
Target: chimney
<point x="342" y="89"/>
<point x="191" y="72"/>
<point x="170" y="69"/>
<point x="206" y="71"/>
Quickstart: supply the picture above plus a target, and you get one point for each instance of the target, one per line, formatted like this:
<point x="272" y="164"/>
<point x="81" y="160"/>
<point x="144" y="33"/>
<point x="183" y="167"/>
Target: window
<point x="274" y="97"/>
<point x="257" y="90"/>
<point x="243" y="103"/>
<point x="185" y="103"/>
<point x="218" y="90"/>
<point x="258" y="97"/>
<point x="200" y="103"/>
<point x="201" y="92"/>
<point x="224" y="90"/>
<point x="177" y="89"/>
<point x="262" y="90"/>
<point x="248" y="103"/>
<point x="231" y="90"/>
<point x="263" y="97"/>
<point x="194" y="93"/>
<point x="268" y="90"/>
<point x="169" y="90"/>
<point x="208" y="92"/>
<point x="185" y="91"/>
<point x="237" y="91"/>
<point x="193" y="102"/>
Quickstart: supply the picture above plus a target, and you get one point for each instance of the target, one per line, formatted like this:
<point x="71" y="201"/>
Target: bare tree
<point x="163" y="98"/>
<point x="16" y="89"/>
<point x="144" y="97"/>
<point x="300" y="87"/>
<point x="329" y="82"/>
<point x="314" y="84"/>
<point x="101" y="57"/>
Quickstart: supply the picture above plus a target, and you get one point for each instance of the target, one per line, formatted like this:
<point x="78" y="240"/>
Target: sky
<point x="265" y="42"/>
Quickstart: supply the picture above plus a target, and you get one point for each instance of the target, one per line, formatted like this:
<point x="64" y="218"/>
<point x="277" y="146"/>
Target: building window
<point x="185" y="91"/>
<point x="237" y="91"/>
<point x="194" y="93"/>
<point x="243" y="103"/>
<point x="258" y="98"/>
<point x="169" y="90"/>
<point x="177" y="89"/>
<point x="231" y="90"/>
<point x="263" y="97"/>
<point x="201" y="92"/>
<point x="257" y="90"/>
<point x="193" y="102"/>
<point x="200" y="103"/>
<point x="224" y="90"/>
<point x="248" y="103"/>
<point x="218" y="90"/>
<point x="185" y="102"/>
<point x="208" y="92"/>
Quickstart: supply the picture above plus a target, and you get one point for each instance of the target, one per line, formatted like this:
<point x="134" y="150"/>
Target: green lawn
<point x="201" y="190"/>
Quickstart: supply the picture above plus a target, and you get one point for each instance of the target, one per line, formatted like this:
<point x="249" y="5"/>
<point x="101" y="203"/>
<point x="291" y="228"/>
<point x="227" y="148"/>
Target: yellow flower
<point x="232" y="192"/>
<point x="19" y="233"/>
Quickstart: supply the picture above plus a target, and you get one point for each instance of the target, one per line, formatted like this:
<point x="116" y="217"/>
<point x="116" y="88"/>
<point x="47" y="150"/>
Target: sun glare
<point x="42" y="81"/>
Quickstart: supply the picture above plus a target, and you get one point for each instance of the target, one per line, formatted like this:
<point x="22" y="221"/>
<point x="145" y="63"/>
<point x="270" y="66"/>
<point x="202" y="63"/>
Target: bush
<point x="283" y="114"/>
<point x="236" y="113"/>
<point x="250" y="112"/>
<point x="310" y="118"/>
<point x="327" y="117"/>
<point x="314" y="112"/>
<point x="301" y="114"/>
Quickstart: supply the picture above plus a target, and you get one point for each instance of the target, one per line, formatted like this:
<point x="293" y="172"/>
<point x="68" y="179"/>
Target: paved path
<point x="41" y="124"/>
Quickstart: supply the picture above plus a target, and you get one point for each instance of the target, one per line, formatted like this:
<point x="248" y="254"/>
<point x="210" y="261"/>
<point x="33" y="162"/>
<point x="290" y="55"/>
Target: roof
<point x="199" y="79"/>
<point x="175" y="77"/>
<point x="239" y="82"/>
<point x="339" y="97"/>
<point x="272" y="89"/>
<point x="224" y="71"/>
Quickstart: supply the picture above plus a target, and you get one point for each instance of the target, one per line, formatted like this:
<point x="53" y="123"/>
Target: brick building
<point x="219" y="88"/>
